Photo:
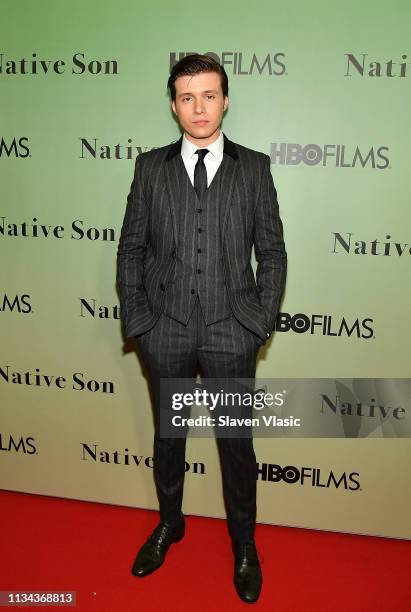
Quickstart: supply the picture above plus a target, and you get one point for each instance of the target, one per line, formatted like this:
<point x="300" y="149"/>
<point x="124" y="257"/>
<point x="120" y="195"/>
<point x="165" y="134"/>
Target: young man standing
<point x="189" y="295"/>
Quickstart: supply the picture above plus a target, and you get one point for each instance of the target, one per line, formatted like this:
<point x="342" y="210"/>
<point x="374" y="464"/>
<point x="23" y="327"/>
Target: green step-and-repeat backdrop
<point x="324" y="89"/>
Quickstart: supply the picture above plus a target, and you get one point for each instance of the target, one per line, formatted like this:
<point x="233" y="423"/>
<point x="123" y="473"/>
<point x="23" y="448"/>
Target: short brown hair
<point x="194" y="64"/>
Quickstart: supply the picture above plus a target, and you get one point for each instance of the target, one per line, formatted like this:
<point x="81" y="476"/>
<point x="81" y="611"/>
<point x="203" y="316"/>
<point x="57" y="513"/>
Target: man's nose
<point x="199" y="106"/>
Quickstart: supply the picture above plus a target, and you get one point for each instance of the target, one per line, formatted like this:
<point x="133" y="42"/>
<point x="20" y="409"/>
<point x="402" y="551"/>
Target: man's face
<point x="199" y="106"/>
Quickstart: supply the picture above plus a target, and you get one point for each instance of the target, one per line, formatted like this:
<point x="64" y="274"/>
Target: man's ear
<point x="225" y="102"/>
<point x="173" y="107"/>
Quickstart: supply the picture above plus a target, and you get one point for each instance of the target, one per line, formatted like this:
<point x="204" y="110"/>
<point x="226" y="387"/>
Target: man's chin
<point x="201" y="131"/>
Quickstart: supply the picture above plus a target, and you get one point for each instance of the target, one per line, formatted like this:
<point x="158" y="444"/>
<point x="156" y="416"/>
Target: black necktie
<point x="200" y="173"/>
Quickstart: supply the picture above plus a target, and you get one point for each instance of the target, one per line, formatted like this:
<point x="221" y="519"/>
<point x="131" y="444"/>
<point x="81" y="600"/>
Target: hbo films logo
<point x="293" y="154"/>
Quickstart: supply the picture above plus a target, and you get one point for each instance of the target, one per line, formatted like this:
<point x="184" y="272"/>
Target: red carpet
<point x="50" y="543"/>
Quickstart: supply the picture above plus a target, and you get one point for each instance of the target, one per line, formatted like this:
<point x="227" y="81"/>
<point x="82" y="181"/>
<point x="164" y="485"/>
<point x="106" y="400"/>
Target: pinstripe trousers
<point x="221" y="350"/>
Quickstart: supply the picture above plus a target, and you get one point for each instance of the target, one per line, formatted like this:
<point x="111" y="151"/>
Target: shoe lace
<point x="250" y="550"/>
<point x="160" y="534"/>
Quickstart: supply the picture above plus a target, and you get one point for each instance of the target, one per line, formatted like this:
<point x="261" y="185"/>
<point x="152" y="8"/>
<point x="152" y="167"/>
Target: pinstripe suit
<point x="217" y="331"/>
<point x="248" y="213"/>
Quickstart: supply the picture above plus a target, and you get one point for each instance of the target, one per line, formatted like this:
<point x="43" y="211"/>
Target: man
<point x="189" y="295"/>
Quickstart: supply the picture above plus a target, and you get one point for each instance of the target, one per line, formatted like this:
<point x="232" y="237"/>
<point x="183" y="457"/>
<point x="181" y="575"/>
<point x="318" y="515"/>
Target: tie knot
<point x="202" y="153"/>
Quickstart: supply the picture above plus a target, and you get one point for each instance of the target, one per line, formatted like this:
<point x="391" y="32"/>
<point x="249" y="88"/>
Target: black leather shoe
<point x="153" y="552"/>
<point x="248" y="578"/>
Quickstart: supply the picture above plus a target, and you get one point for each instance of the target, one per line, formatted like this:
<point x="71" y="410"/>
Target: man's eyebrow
<point x="189" y="93"/>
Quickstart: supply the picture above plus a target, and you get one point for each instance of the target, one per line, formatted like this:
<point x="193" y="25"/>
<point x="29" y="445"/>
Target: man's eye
<point x="210" y="96"/>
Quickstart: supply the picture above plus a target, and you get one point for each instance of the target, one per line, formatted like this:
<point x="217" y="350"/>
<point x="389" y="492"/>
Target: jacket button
<point x="161" y="286"/>
<point x="173" y="255"/>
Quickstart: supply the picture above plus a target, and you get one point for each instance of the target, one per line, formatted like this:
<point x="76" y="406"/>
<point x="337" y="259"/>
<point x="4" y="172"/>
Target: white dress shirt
<point x="212" y="160"/>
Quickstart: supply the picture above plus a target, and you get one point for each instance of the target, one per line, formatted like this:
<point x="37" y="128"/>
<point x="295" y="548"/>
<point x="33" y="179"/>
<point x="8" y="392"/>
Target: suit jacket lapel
<point x="228" y="178"/>
<point x="171" y="181"/>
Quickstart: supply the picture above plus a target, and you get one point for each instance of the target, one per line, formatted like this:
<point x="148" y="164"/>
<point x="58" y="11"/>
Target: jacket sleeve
<point x="130" y="255"/>
<point x="269" y="248"/>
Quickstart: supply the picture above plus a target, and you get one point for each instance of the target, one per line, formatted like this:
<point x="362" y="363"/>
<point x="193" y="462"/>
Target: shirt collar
<point x="216" y="148"/>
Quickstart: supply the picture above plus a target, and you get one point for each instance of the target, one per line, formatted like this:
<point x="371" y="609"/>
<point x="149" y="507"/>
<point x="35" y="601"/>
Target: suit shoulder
<point x="154" y="155"/>
<point x="251" y="155"/>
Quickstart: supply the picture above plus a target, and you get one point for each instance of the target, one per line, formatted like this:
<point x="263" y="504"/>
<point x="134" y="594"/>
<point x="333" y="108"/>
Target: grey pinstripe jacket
<point x="249" y="215"/>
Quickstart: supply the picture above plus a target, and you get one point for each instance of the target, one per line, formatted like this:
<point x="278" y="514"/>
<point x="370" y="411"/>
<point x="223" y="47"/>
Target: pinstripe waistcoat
<point x="248" y="215"/>
<point x="198" y="268"/>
